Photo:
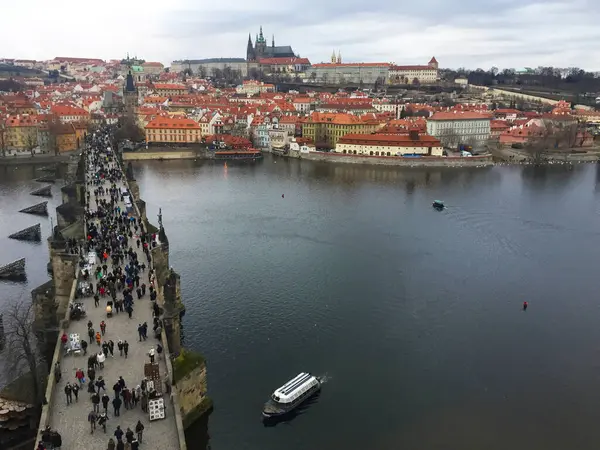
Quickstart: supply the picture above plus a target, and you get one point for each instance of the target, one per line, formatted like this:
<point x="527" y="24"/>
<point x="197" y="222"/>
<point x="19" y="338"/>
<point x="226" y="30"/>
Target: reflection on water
<point x="416" y="313"/>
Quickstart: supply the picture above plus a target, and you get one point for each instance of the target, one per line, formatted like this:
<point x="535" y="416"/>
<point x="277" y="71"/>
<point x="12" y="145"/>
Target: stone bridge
<point x="185" y="381"/>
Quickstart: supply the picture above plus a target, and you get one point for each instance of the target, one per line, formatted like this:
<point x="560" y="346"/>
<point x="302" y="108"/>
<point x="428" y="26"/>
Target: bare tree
<point x="53" y="132"/>
<point x="539" y="144"/>
<point x="2" y="139"/>
<point x="21" y="355"/>
<point x="31" y="142"/>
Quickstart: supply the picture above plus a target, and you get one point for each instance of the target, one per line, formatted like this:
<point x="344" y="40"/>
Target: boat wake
<point x="325" y="378"/>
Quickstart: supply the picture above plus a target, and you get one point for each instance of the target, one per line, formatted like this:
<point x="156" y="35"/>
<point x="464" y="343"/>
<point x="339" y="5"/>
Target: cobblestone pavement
<point x="71" y="421"/>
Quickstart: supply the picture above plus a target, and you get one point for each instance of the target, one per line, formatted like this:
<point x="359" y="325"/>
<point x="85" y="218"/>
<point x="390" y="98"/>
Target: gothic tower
<point x="130" y="96"/>
<point x="333" y="59"/>
<point x="250" y="56"/>
<point x="260" y="45"/>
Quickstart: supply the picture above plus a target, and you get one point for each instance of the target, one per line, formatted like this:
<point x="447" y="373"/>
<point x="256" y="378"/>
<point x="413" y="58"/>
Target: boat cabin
<point x="295" y="388"/>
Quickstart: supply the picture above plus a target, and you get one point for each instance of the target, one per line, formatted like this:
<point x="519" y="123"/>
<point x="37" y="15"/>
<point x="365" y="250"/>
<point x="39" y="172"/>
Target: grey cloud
<point x="508" y="28"/>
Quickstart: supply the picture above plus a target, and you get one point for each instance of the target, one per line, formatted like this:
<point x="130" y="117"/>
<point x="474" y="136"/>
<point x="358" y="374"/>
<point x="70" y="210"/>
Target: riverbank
<point x="425" y="161"/>
<point x="512" y="155"/>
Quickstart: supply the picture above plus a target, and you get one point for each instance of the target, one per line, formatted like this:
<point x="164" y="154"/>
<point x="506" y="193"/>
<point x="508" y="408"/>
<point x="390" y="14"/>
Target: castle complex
<point x="260" y="49"/>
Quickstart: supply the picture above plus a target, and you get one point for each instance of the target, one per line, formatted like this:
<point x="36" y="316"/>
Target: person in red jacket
<point x="64" y="338"/>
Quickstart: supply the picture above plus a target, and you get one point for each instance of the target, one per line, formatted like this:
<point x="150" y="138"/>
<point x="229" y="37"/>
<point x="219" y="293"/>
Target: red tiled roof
<point x="412" y="68"/>
<point x="396" y="140"/>
<point x="468" y="115"/>
<point x="284" y="61"/>
<point x="169" y="86"/>
<point x="169" y="123"/>
<point x="325" y="65"/>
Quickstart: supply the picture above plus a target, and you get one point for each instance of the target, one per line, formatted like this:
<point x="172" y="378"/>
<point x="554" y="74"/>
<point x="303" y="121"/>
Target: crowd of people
<point x="112" y="235"/>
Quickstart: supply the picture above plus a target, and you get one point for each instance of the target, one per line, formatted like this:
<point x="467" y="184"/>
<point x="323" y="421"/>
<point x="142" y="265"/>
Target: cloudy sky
<point x="465" y="33"/>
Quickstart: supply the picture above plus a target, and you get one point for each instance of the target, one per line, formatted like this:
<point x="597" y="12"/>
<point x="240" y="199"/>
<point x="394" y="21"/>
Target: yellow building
<point x="325" y="129"/>
<point x="65" y="135"/>
<point x="21" y="132"/>
<point x="169" y="89"/>
<point x="172" y="130"/>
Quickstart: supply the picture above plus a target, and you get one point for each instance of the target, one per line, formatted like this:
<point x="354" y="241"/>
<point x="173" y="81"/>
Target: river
<point x="413" y="316"/>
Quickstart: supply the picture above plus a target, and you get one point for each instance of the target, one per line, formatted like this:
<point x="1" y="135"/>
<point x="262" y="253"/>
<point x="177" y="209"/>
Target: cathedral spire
<point x="333" y="57"/>
<point x="273" y="41"/>
<point x="339" y="58"/>
<point x="261" y="34"/>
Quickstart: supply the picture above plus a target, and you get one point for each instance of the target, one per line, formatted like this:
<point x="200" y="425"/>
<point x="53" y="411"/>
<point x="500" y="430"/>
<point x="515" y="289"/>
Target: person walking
<point x="68" y="391"/>
<point x="139" y="429"/>
<point x="98" y="338"/>
<point x="96" y="402"/>
<point x="117" y="406"/>
<point x="120" y="347"/>
<point x="140" y="332"/>
<point x="111" y="444"/>
<point x="119" y="434"/>
<point x="100" y="384"/>
<point x="80" y="376"/>
<point x="101" y="358"/>
<point x="103" y="327"/>
<point x="105" y="399"/>
<point x="129" y="435"/>
<point x="126" y="348"/>
<point x="92" y="417"/>
<point x="91" y="373"/>
<point x="102" y="421"/>
<point x="151" y="355"/>
<point x="111" y="348"/>
<point x="91" y="334"/>
<point x="75" y="389"/>
<point x="84" y="345"/>
<point x="57" y="372"/>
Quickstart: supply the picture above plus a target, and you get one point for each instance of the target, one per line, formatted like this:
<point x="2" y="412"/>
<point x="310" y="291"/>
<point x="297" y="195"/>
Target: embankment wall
<point x="475" y="161"/>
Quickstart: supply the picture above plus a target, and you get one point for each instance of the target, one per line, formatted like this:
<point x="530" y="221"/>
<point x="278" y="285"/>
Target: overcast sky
<point x="465" y="33"/>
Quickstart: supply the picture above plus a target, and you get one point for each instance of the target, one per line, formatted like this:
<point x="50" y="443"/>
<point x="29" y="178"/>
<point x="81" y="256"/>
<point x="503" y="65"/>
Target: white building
<point x="340" y="73"/>
<point x="414" y="74"/>
<point x="253" y="87"/>
<point x="302" y="104"/>
<point x="456" y="127"/>
<point x="389" y="145"/>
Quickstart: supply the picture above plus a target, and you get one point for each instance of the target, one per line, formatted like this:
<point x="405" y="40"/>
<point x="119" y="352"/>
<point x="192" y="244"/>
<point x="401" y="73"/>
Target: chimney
<point x="414" y="135"/>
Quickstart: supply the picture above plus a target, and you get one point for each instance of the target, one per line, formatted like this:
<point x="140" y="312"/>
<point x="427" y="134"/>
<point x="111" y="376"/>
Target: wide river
<point x="413" y="316"/>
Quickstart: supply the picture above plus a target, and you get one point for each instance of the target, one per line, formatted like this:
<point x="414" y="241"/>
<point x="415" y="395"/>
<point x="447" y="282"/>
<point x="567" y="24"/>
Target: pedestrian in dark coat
<point x="139" y="429"/>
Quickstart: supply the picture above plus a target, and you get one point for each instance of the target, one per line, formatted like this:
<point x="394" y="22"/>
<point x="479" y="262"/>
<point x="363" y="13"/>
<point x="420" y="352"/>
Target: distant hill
<point x="7" y="71"/>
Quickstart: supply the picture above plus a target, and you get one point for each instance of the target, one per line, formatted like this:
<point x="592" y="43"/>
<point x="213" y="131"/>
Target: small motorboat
<point x="438" y="204"/>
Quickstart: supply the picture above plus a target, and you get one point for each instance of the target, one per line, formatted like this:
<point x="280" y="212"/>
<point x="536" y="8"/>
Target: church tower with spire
<point x="130" y="96"/>
<point x="250" y="56"/>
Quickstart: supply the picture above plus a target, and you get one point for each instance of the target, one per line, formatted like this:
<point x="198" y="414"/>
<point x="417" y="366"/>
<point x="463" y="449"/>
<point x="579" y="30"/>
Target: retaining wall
<point x="431" y="161"/>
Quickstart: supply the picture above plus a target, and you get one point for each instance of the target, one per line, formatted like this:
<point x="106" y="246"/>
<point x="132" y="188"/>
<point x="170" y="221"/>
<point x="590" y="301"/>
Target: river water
<point x="412" y="315"/>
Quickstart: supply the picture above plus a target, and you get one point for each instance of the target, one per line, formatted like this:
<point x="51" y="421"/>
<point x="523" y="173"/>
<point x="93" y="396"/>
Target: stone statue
<point x="160" y="224"/>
